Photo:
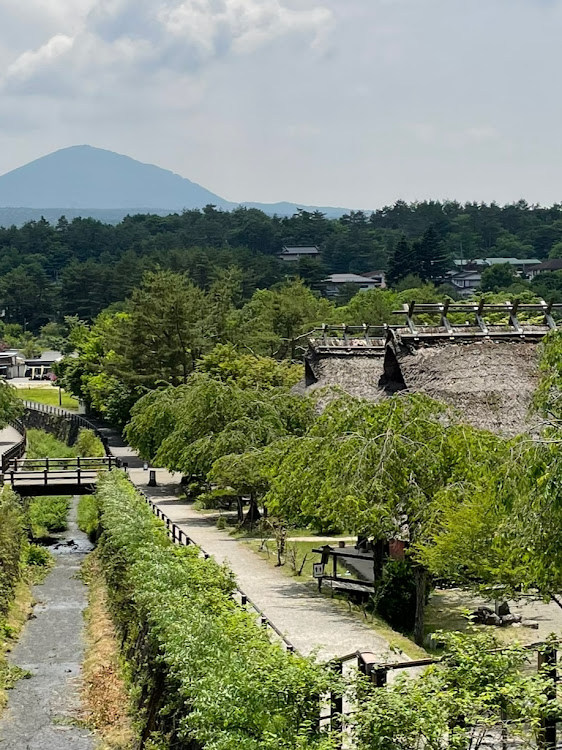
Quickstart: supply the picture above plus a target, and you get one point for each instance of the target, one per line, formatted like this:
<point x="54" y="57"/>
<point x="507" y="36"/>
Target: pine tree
<point x="402" y="262"/>
<point x="432" y="259"/>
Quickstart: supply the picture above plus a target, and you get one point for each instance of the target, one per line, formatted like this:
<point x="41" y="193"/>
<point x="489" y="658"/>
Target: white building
<point x="336" y="281"/>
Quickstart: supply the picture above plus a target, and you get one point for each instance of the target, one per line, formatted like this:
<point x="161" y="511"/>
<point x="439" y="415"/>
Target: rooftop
<point x="297" y="250"/>
<point x="348" y="278"/>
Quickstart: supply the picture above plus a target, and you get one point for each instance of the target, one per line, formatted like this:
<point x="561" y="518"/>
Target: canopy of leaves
<point x="188" y="428"/>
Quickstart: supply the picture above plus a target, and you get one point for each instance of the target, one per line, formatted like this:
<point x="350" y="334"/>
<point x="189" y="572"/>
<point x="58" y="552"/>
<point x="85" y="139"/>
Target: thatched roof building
<point x="489" y="376"/>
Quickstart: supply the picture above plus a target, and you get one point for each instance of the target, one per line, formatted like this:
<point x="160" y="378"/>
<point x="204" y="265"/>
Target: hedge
<point x="205" y="674"/>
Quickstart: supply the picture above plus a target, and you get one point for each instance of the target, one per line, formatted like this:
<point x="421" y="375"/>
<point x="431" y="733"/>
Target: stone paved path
<point x="42" y="710"/>
<point x="310" y="621"/>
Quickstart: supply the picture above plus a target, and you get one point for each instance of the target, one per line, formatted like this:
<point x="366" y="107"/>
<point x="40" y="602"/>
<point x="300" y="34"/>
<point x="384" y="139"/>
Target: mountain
<point x="87" y="181"/>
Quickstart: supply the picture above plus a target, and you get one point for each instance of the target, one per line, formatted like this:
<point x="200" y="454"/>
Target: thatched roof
<point x="491" y="383"/>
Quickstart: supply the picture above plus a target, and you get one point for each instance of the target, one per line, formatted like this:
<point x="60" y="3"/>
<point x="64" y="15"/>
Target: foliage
<point x="12" y="543"/>
<point x="88" y="520"/>
<point x="496" y="277"/>
<point x="452" y="706"/>
<point x="88" y="444"/>
<point x="395" y="598"/>
<point x="273" y="319"/>
<point x="10" y="405"/>
<point x="41" y="444"/>
<point x="187" y="429"/>
<point x="247" y="370"/>
<point x="204" y="671"/>
<point x="47" y="515"/>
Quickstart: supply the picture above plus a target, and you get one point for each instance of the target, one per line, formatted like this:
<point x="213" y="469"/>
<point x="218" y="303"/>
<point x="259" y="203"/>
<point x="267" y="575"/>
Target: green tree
<point x="403" y="262"/>
<point x="497" y="277"/>
<point x="432" y="260"/>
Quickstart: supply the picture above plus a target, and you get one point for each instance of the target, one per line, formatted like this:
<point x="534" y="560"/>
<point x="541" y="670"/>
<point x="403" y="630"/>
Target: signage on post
<point x="318" y="570"/>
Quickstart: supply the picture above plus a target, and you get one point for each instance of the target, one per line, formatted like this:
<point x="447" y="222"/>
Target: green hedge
<point x="205" y="673"/>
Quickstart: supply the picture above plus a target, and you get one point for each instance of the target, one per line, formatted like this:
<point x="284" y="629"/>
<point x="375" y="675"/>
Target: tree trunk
<point x="253" y="515"/>
<point x="240" y="509"/>
<point x="420" y="577"/>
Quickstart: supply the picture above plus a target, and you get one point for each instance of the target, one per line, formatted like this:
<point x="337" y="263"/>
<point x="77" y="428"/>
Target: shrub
<point x="206" y="674"/>
<point x="37" y="556"/>
<point x="395" y="599"/>
<point x="41" y="444"/>
<point x="88" y="516"/>
<point x="47" y="515"/>
<point x="89" y="445"/>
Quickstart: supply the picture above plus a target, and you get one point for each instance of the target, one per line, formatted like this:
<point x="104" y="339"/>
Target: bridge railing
<point x="30" y="465"/>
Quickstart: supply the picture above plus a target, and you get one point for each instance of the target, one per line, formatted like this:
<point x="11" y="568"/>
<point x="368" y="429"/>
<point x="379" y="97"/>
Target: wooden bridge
<point x="30" y="477"/>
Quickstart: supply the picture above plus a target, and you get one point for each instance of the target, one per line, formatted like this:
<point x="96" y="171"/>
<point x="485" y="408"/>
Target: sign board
<point x="318" y="570"/>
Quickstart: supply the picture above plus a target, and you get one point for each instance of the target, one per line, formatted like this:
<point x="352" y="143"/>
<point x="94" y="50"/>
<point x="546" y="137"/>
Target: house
<point x="555" y="264"/>
<point x="12" y="364"/>
<point x="41" y="368"/>
<point x="295" y="253"/>
<point x="379" y="277"/>
<point x="336" y="281"/>
<point x="465" y="282"/>
<point x="521" y="265"/>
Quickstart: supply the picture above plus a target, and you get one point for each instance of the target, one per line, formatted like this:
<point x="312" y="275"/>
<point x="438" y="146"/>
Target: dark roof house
<point x="292" y="253"/>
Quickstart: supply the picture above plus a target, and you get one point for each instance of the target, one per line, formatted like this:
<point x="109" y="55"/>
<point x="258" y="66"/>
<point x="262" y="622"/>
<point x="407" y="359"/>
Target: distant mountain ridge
<point x="88" y="181"/>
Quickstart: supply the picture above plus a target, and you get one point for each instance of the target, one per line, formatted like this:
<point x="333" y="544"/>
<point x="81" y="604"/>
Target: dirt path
<point x="42" y="710"/>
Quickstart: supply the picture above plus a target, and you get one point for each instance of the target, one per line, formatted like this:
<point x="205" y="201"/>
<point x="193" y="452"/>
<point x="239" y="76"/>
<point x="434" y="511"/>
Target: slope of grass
<point x="49" y="396"/>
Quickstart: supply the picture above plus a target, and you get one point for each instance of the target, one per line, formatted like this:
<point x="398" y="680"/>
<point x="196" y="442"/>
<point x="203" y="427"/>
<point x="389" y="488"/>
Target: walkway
<point x="310" y="621"/>
<point x="9" y="437"/>
<point x="43" y="710"/>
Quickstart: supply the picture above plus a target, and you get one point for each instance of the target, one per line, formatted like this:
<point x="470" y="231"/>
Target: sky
<point x="353" y="103"/>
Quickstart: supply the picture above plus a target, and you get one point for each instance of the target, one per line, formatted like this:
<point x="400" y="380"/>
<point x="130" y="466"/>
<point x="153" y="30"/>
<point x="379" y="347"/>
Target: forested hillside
<point x="80" y="267"/>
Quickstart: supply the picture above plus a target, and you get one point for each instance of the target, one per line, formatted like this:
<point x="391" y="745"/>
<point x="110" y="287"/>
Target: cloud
<point x="139" y="37"/>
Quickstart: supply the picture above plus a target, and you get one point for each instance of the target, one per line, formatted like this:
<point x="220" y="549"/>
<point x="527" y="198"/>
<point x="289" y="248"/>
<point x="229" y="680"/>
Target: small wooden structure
<point x="333" y="555"/>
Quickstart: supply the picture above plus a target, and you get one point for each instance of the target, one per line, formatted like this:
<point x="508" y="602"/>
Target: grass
<point x="10" y="629"/>
<point x="48" y="396"/>
<point x="397" y="641"/>
<point x="104" y="693"/>
<point x="41" y="444"/>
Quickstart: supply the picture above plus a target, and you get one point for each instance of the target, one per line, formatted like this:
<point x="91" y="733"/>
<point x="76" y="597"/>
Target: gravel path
<point x="42" y="710"/>
<point x="310" y="621"/>
<point x="313" y="623"/>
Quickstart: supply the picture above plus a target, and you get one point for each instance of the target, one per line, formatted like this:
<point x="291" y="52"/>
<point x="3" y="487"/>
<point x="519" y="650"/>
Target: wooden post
<point x="547" y="663"/>
<point x="336" y="706"/>
<point x="46" y="477"/>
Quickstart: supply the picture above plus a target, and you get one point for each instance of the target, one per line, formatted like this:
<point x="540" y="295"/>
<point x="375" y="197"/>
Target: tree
<point x="378" y="470"/>
<point x="432" y="260"/>
<point x="403" y="262"/>
<point x="497" y="277"/>
<point x="225" y="363"/>
<point x="479" y="687"/>
<point x="187" y="429"/>
<point x="162" y="334"/>
<point x="273" y="319"/>
<point x="373" y="307"/>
